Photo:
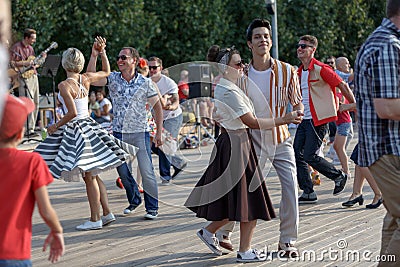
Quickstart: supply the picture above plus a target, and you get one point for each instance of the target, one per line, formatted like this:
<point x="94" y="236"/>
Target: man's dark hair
<point x="157" y="59"/>
<point x="311" y="39"/>
<point x="392" y="8"/>
<point x="134" y="53"/>
<point x="28" y="33"/>
<point x="257" y="23"/>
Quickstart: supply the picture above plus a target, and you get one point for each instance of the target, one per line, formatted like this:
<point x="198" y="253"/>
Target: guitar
<point x="27" y="72"/>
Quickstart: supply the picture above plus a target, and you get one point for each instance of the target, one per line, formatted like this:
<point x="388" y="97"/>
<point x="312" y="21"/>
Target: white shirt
<point x="104" y="102"/>
<point x="258" y="91"/>
<point x="305" y="93"/>
<point x="167" y="86"/>
<point x="231" y="103"/>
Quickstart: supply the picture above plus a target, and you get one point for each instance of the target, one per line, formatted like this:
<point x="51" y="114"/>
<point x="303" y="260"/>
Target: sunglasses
<point x="123" y="57"/>
<point x="239" y="64"/>
<point x="330" y="62"/>
<point x="153" y="67"/>
<point x="303" y="46"/>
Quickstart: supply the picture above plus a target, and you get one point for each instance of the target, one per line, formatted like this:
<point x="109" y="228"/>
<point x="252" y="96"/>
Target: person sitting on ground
<point x="94" y="107"/>
<point x="24" y="180"/>
<point x="105" y="107"/>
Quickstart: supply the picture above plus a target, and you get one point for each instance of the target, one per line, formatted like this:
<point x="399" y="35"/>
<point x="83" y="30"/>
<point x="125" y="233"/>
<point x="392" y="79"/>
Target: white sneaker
<point x="151" y="215"/>
<point x="210" y="241"/>
<point x="252" y="255"/>
<point x="108" y="219"/>
<point x="89" y="225"/>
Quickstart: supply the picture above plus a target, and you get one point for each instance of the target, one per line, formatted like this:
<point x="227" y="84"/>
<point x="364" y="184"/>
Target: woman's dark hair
<point x="215" y="54"/>
<point x="212" y="53"/>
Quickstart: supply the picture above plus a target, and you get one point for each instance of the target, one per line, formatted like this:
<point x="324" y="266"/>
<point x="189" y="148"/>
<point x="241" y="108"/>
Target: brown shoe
<point x="290" y="251"/>
<point x="225" y="242"/>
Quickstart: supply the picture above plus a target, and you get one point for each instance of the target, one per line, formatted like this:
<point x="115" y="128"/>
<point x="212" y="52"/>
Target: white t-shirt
<point x="104" y="102"/>
<point x="231" y="103"/>
<point x="258" y="91"/>
<point x="305" y="94"/>
<point x="167" y="86"/>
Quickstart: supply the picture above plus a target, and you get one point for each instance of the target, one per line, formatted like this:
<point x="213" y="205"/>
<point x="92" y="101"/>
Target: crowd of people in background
<point x="254" y="103"/>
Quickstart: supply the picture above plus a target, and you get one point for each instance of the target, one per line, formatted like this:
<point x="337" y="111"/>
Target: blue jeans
<point x="165" y="161"/>
<point x="15" y="263"/>
<point x="141" y="141"/>
<point x="307" y="142"/>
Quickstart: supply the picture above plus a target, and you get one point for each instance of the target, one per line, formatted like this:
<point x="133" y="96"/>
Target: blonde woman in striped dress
<point x="77" y="146"/>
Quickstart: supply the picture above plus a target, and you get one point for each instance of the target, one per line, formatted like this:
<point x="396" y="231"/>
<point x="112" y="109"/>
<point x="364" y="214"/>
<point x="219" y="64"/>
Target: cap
<point x="15" y="113"/>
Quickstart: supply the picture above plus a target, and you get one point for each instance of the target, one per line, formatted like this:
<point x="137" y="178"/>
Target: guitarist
<point x="22" y="56"/>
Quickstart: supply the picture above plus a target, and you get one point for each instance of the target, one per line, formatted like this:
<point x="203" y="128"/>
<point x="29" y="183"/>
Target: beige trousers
<point x="30" y="88"/>
<point x="386" y="171"/>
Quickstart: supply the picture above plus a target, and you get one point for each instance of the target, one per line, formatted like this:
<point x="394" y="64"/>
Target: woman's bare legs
<point x="246" y="234"/>
<point x="103" y="196"/>
<point x="215" y="225"/>
<point x="339" y="146"/>
<point x="93" y="194"/>
<point x="370" y="179"/>
<point x="357" y="183"/>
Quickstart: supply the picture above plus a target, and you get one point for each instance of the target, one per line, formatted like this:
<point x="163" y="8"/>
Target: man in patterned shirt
<point x="129" y="92"/>
<point x="378" y="103"/>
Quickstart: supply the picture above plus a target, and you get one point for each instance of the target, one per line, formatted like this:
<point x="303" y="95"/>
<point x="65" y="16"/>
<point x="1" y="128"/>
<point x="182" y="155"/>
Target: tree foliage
<point x="180" y="31"/>
<point x="340" y="26"/>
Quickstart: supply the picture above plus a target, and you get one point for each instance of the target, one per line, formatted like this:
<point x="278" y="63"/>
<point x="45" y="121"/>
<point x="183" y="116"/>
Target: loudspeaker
<point x="199" y="80"/>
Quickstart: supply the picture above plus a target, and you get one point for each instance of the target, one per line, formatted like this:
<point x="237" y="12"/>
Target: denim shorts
<point x="343" y="129"/>
<point x="15" y="263"/>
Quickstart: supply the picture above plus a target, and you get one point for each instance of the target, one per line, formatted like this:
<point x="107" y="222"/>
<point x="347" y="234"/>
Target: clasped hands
<point x="294" y="117"/>
<point x="99" y="45"/>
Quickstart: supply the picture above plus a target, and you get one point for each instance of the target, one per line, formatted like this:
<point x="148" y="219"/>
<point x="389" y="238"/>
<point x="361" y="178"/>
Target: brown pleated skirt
<point x="232" y="186"/>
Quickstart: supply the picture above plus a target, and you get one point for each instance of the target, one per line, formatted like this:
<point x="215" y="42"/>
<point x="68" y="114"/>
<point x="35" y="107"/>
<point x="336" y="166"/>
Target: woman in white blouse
<point x="232" y="188"/>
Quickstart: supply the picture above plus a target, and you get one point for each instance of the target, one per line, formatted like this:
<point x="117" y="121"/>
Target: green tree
<point x="75" y="23"/>
<point x="340" y="26"/>
<point x="182" y="31"/>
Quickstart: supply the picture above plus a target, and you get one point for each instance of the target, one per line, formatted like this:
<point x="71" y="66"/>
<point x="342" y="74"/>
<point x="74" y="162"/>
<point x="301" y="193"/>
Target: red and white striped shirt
<point x="282" y="85"/>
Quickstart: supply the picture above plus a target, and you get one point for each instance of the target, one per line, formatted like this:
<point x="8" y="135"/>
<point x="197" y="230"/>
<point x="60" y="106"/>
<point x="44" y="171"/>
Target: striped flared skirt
<point x="81" y="146"/>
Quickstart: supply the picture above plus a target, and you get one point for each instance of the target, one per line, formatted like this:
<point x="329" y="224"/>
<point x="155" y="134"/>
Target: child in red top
<point x="23" y="180"/>
<point x="344" y="134"/>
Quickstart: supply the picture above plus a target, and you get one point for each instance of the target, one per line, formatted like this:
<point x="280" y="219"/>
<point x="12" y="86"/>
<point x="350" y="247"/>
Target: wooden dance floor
<point x="329" y="235"/>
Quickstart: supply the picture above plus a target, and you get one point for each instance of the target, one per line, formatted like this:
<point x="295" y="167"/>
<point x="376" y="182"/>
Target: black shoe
<point x="308" y="198"/>
<point x="177" y="170"/>
<point x="351" y="203"/>
<point x="375" y="205"/>
<point x="340" y="183"/>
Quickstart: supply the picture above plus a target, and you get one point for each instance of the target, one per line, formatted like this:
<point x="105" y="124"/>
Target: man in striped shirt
<point x="377" y="92"/>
